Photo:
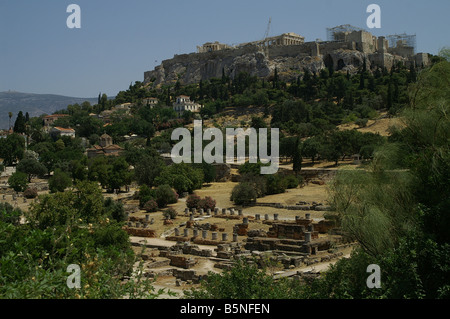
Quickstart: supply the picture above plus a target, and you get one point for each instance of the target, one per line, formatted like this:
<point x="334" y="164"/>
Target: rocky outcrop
<point x="289" y="62"/>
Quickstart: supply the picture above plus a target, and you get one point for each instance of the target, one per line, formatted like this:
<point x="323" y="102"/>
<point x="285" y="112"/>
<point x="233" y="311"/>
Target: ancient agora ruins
<point x="347" y="48"/>
<point x="210" y="240"/>
<point x="298" y="239"/>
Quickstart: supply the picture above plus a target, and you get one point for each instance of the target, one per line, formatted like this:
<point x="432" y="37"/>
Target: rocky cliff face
<point x="191" y="68"/>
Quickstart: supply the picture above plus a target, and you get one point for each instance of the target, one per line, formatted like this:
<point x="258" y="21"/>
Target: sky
<point x="119" y="40"/>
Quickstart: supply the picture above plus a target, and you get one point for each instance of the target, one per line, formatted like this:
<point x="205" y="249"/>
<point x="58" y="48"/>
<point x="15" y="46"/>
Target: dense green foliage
<point x="243" y="281"/>
<point x="67" y="228"/>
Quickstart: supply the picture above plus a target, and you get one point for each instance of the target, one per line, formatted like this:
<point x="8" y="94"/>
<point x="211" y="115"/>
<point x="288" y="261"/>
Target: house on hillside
<point x="183" y="103"/>
<point x="51" y="119"/>
<point x="151" y="102"/>
<point x="57" y="132"/>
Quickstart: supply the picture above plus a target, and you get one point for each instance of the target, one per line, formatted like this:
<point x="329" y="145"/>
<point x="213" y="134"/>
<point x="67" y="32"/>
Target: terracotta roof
<point x="55" y="115"/>
<point x="62" y="129"/>
<point x="113" y="147"/>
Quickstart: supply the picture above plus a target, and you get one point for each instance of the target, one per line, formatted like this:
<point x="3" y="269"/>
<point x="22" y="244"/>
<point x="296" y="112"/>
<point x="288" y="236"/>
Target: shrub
<point x="151" y="206"/>
<point x="250" y="168"/>
<point x="291" y="181"/>
<point x="192" y="201"/>
<point x="361" y="122"/>
<point x="115" y="209"/>
<point x="145" y="194"/>
<point x="243" y="194"/>
<point x="165" y="195"/>
<point x="258" y="183"/>
<point x="182" y="184"/>
<point x="170" y="213"/>
<point x="30" y="192"/>
<point x="275" y="184"/>
<point x="207" y="203"/>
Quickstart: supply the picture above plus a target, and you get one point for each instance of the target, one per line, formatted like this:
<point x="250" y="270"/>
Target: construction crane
<point x="266" y="35"/>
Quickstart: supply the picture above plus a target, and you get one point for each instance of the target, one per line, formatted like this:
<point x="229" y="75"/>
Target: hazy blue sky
<point x="119" y="40"/>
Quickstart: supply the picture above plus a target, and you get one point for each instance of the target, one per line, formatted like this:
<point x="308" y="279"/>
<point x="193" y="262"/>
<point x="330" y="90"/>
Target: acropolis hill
<point x="345" y="49"/>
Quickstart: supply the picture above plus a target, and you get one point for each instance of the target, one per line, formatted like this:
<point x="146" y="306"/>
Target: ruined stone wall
<point x="329" y="47"/>
<point x="290" y="50"/>
<point x="402" y="51"/>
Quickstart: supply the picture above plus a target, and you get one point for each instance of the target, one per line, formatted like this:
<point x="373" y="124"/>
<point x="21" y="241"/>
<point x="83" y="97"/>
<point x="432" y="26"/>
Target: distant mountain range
<point x="34" y="104"/>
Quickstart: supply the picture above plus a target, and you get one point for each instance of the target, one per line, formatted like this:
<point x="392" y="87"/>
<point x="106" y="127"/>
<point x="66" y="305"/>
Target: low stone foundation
<point x="141" y="232"/>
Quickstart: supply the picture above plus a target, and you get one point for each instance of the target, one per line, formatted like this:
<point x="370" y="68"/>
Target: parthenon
<point x="284" y="39"/>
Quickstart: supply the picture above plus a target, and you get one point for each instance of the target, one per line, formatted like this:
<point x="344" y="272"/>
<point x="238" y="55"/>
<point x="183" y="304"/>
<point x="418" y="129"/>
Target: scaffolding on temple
<point x="406" y="40"/>
<point x="345" y="28"/>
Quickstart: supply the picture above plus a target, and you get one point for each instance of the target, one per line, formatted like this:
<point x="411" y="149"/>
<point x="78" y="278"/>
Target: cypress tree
<point x="19" y="124"/>
<point x="361" y="81"/>
<point x="275" y="79"/>
<point x="371" y="85"/>
<point x="389" y="95"/>
<point x="297" y="158"/>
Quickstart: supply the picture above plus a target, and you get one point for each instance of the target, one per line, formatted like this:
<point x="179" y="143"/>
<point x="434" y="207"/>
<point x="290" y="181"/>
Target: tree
<point x="98" y="169"/>
<point x="9" y="214"/>
<point x="390" y="97"/>
<point x="119" y="174"/>
<point x="297" y="158"/>
<point x="258" y="122"/>
<point x="310" y="148"/>
<point x="275" y="84"/>
<point x="10" y="115"/>
<point x="18" y="181"/>
<point x="115" y="210"/>
<point x="12" y="148"/>
<point x="398" y="208"/>
<point x="145" y="194"/>
<point x="148" y="168"/>
<point x="78" y="170"/>
<point x="243" y="194"/>
<point x="104" y="100"/>
<point x="192" y="179"/>
<point x="58" y="233"/>
<point x="32" y="168"/>
<point x="209" y="172"/>
<point x="19" y="124"/>
<point x="244" y="280"/>
<point x="361" y="82"/>
<point x="165" y="195"/>
<point x="59" y="181"/>
<point x="275" y="184"/>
